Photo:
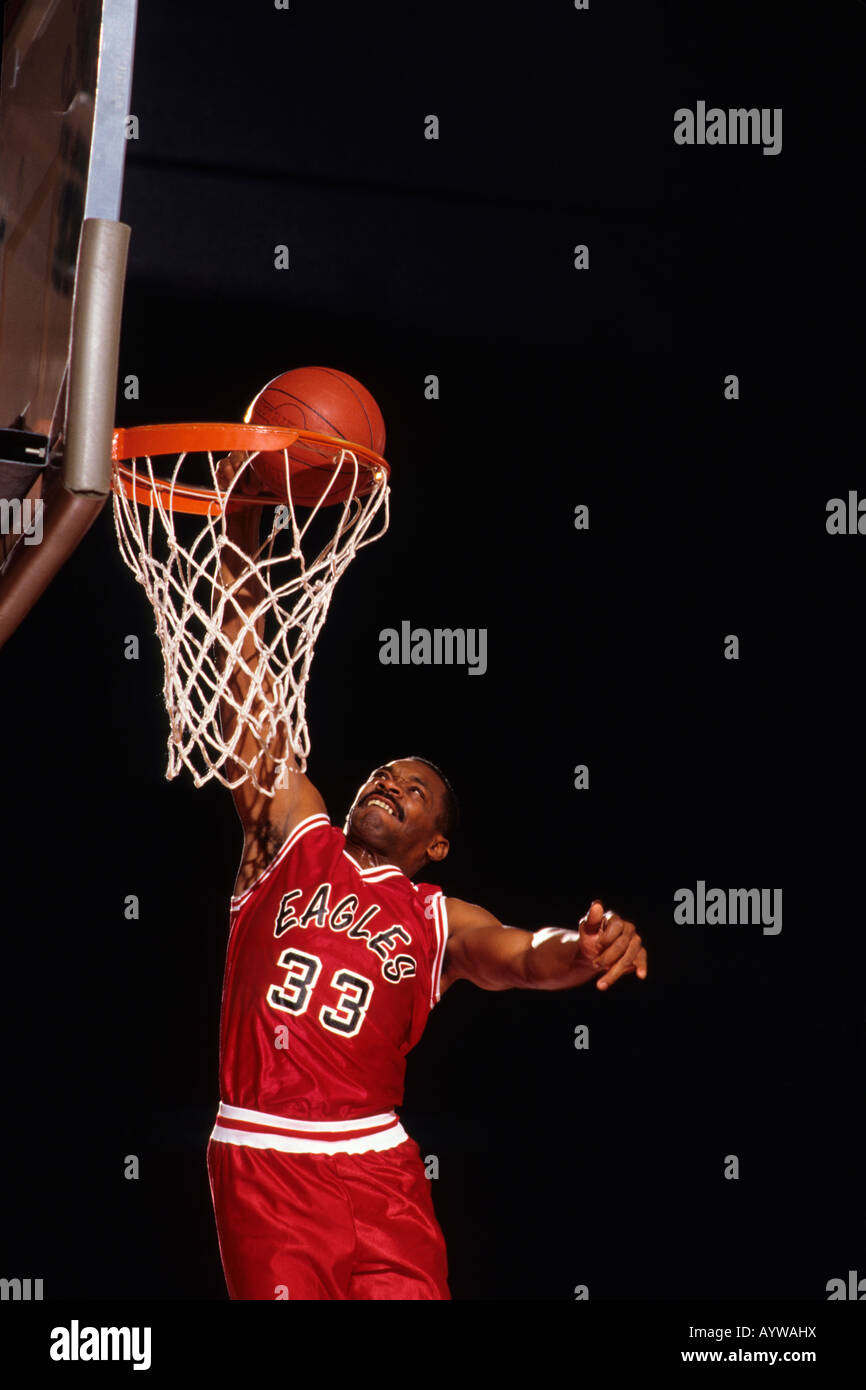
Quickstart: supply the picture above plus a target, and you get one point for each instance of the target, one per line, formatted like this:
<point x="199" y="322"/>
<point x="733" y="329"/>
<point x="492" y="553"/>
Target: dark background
<point x="410" y="257"/>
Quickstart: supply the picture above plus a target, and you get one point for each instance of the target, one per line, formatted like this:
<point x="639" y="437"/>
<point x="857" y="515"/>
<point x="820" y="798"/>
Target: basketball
<point x="325" y="401"/>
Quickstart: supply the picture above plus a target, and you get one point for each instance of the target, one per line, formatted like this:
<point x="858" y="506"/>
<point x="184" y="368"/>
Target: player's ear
<point x="437" y="849"/>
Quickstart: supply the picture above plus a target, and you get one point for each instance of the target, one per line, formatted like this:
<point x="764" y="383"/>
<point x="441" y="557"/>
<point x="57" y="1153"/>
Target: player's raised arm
<point x="267" y="820"/>
<point x="481" y="949"/>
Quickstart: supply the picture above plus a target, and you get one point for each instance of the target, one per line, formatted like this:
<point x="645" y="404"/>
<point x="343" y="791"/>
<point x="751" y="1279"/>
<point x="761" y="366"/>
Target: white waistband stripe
<point x="260" y="1117"/>
<point x="286" y="1143"/>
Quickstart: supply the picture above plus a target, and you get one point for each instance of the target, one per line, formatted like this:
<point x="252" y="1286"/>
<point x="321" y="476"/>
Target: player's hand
<point x="236" y="465"/>
<point x="611" y="945"/>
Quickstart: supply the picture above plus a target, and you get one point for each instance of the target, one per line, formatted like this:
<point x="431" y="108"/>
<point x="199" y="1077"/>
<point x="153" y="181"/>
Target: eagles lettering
<point x="341" y="918"/>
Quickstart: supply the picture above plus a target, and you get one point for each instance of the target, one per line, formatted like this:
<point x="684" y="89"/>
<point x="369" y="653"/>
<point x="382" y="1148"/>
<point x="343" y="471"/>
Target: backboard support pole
<point x="96" y="317"/>
<point x="87" y="463"/>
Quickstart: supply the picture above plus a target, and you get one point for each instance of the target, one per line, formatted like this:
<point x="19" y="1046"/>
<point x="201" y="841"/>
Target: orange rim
<point x="146" y="441"/>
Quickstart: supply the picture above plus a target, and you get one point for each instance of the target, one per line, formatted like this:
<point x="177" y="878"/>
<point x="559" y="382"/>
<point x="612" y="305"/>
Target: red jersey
<point x="331" y="973"/>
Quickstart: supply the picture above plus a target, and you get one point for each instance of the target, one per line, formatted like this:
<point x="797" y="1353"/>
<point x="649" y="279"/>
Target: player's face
<point x="397" y="810"/>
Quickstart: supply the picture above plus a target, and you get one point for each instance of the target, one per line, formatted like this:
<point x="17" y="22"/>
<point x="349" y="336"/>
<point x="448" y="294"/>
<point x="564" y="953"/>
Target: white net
<point x="238" y="626"/>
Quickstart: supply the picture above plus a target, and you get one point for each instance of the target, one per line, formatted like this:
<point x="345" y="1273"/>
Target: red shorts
<point x="322" y="1226"/>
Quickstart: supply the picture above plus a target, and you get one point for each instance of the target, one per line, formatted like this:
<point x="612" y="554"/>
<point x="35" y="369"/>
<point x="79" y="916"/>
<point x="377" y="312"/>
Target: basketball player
<point x="336" y="955"/>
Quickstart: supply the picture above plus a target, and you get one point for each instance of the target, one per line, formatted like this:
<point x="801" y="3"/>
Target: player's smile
<point x="386" y="803"/>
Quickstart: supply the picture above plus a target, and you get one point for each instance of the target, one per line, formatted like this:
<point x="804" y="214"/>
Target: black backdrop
<point x="409" y="257"/>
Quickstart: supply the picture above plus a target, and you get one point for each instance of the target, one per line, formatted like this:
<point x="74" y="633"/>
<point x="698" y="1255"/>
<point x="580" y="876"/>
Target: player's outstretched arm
<point x="267" y="820"/>
<point x="481" y="949"/>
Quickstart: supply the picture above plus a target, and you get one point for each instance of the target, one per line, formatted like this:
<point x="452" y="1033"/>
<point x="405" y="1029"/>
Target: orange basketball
<point x="328" y="402"/>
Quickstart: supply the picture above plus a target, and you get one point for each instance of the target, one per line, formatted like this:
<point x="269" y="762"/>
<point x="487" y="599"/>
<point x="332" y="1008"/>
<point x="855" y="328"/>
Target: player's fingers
<point x="231" y="471"/>
<point x="623" y="965"/>
<point x="593" y="919"/>
<point x="624" y="933"/>
<point x="640" y="964"/>
<point x="612" y="953"/>
<point x="612" y="926"/>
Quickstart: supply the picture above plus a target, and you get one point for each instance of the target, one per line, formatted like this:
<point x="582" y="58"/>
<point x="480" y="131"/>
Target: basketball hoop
<point x="173" y="534"/>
